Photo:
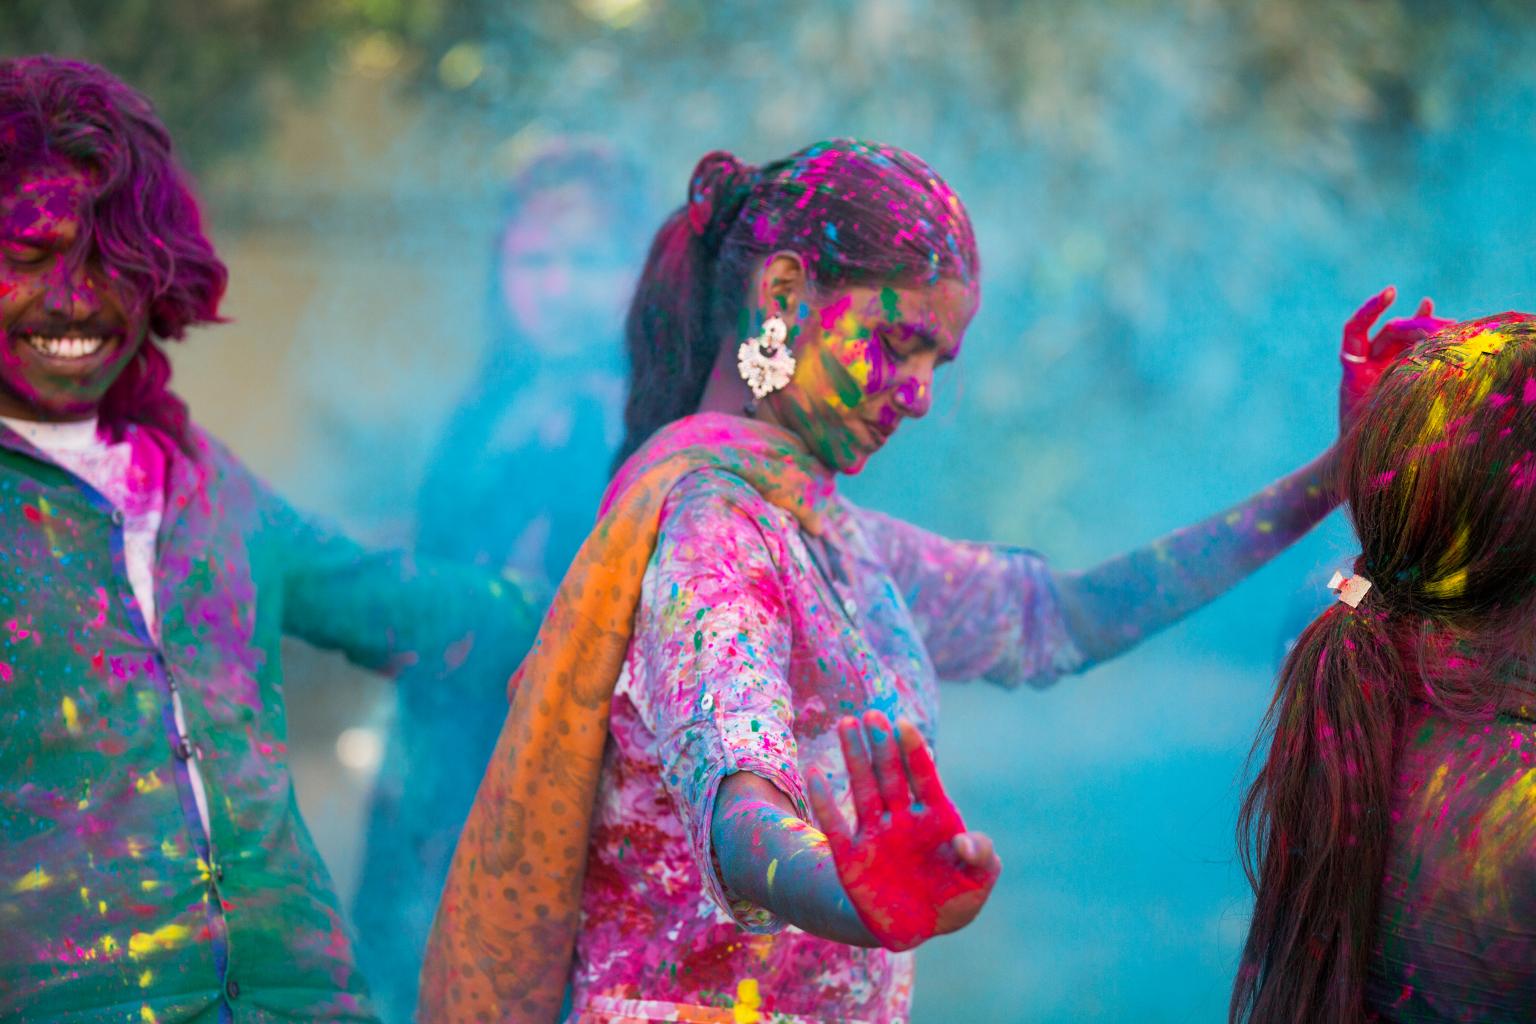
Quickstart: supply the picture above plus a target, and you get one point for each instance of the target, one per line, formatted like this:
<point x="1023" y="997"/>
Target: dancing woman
<point x="700" y="748"/>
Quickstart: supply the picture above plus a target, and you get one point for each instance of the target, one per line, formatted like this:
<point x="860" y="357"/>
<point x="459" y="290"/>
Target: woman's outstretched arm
<point x="1112" y="606"/>
<point x="907" y="871"/>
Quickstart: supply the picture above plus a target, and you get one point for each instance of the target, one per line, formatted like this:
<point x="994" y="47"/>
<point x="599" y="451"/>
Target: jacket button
<point x="117" y="517"/>
<point x="232" y="988"/>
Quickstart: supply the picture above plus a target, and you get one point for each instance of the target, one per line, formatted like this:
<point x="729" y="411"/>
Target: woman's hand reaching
<point x="1366" y="358"/>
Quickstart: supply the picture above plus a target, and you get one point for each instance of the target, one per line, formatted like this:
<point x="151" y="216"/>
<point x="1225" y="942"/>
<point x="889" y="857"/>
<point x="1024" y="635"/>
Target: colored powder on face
<point x="847" y="391"/>
<point x="773" y="869"/>
<point x="890" y="303"/>
<point x="35" y="879"/>
<point x="835" y="312"/>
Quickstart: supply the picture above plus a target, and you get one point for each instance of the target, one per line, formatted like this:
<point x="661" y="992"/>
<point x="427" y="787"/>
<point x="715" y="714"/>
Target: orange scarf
<point x="502" y="942"/>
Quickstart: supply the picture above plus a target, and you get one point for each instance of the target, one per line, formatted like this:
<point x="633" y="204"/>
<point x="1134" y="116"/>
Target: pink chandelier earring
<point x="765" y="362"/>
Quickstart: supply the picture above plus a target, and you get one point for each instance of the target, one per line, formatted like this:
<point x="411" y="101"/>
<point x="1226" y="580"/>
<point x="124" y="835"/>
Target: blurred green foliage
<point x="1309" y="74"/>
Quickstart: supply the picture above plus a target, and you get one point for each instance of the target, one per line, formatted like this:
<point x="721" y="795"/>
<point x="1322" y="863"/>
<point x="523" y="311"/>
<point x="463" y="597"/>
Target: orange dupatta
<point x="502" y="941"/>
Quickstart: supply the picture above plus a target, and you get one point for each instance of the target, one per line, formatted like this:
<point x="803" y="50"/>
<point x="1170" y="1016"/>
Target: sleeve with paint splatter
<point x="711" y="660"/>
<point x="985" y="611"/>
<point x="386" y="609"/>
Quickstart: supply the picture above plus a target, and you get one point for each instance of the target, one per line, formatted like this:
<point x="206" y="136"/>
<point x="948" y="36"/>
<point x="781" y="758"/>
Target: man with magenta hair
<point x="153" y="864"/>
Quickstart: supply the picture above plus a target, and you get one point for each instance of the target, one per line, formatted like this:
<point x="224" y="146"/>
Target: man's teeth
<point x="65" y="348"/>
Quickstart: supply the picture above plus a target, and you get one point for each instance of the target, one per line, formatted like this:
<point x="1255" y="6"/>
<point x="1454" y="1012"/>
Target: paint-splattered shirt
<point x="751" y="640"/>
<point x="1456" y="935"/>
<point x="115" y="904"/>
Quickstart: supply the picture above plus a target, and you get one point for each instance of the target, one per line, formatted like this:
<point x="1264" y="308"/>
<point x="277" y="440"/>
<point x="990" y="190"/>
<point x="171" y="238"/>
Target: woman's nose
<point x="914" y="395"/>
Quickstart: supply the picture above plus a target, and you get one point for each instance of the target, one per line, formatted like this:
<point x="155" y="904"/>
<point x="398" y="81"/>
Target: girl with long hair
<point x="510" y="486"/>
<point x="1390" y="833"/>
<point x="712" y="798"/>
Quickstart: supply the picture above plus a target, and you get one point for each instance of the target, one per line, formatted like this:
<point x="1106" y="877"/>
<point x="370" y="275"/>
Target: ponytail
<point x="1314" y="829"/>
<point x="671" y="334"/>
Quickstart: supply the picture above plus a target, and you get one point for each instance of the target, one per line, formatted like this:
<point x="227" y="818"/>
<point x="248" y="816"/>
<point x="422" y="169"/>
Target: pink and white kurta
<point x="751" y="640"/>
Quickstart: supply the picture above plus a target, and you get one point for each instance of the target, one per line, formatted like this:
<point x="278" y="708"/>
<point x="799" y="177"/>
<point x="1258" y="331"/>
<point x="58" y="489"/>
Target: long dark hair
<point x="143" y="223"/>
<point x="856" y="212"/>
<point x="1440" y="479"/>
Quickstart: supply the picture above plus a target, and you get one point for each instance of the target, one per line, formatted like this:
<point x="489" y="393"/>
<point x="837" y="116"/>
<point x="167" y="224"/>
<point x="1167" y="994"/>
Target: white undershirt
<point x="110" y="469"/>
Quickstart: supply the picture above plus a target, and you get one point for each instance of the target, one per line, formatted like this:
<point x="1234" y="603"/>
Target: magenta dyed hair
<point x="143" y="223"/>
<point x="858" y="213"/>
<point x="1440" y="478"/>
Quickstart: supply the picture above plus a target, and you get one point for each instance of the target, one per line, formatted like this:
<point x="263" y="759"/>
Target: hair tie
<point x="716" y="193"/>
<point x="1351" y="590"/>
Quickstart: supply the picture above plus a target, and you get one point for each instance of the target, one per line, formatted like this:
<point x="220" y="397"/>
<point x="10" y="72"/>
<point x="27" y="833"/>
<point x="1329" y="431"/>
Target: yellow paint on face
<point x="147" y="1016"/>
<point x="161" y="939"/>
<point x="773" y="869"/>
<point x="108" y="945"/>
<point x="852" y="351"/>
<point x="748" y="1002"/>
<point x="148" y="783"/>
<point x="71" y="715"/>
<point x="146" y="979"/>
<point x="33" y="880"/>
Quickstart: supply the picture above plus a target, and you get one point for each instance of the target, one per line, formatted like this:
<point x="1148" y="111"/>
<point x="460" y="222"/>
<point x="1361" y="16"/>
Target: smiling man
<point x="153" y="865"/>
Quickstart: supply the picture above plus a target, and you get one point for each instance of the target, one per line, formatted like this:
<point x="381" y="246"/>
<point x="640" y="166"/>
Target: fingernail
<point x="965" y="846"/>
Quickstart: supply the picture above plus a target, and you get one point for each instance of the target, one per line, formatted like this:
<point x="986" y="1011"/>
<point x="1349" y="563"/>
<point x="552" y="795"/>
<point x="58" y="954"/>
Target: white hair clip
<point x="1351" y="590"/>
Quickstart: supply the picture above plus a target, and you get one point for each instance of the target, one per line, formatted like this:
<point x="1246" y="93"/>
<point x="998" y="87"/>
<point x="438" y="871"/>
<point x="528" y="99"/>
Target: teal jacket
<point x="114" y="906"/>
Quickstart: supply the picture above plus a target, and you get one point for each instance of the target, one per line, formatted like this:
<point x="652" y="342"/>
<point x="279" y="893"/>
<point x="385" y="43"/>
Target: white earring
<point x="765" y="362"/>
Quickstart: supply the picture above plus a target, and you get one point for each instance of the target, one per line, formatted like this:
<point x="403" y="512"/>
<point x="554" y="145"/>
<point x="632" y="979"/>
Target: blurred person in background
<point x="664" y="824"/>
<point x="1390" y="834"/>
<point x="153" y="862"/>
<point x="514" y="482"/>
